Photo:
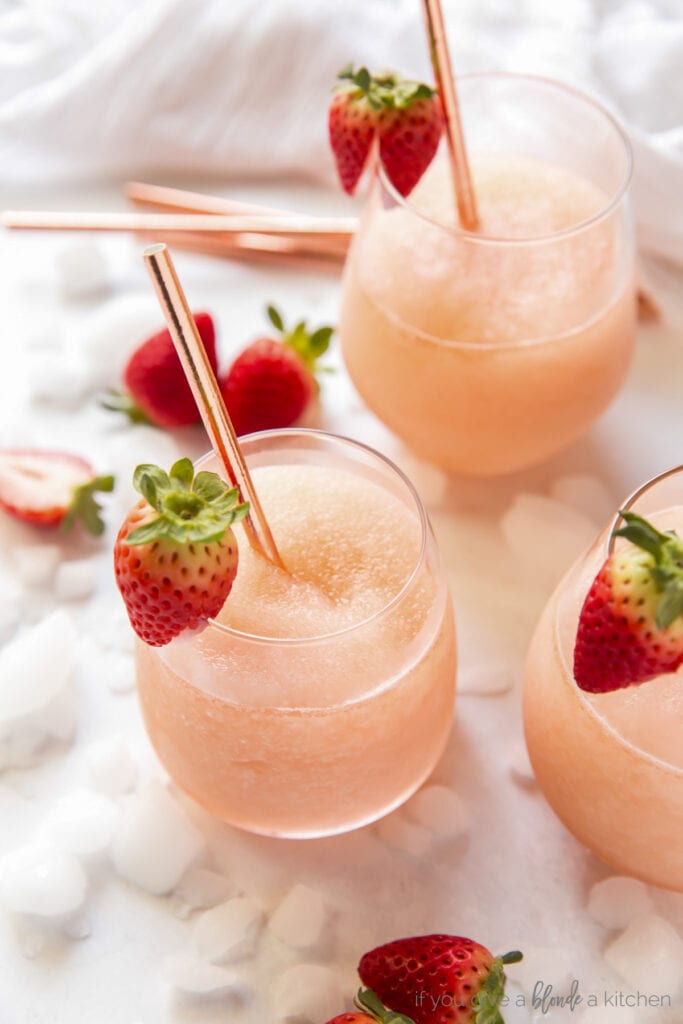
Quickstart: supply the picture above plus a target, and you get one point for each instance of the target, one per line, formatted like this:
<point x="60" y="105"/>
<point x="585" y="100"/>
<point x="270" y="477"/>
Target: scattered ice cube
<point x="35" y="564"/>
<point x="39" y="879"/>
<point x="441" y="810"/>
<point x="546" y="536"/>
<point x="57" y="378"/>
<point x="82" y="822"/>
<point x="110" y="334"/>
<point x="118" y="671"/>
<point x="586" y="494"/>
<point x="76" y="579"/>
<point x="229" y="931"/>
<point x="648" y="956"/>
<point x="541" y="964"/>
<point x="520" y="765"/>
<point x="615" y="902"/>
<point x="487" y="680"/>
<point x="299" y="920"/>
<point x="111" y="767"/>
<point x="155" y="842"/>
<point x="36" y="700"/>
<point x="31" y="941"/>
<point x="200" y="888"/>
<point x="81" y="270"/>
<point x="396" y="831"/>
<point x="78" y="927"/>
<point x="307" y="993"/>
<point x="193" y="976"/>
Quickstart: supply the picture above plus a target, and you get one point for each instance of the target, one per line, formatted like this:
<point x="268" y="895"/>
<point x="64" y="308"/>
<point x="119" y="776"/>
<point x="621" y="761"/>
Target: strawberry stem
<point x="666" y="550"/>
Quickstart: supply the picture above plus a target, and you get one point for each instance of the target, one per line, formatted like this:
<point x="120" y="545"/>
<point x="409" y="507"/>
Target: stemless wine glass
<point x="610" y="765"/>
<point x="317" y="732"/>
<point x="487" y="352"/>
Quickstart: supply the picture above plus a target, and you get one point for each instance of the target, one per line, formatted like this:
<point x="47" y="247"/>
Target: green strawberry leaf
<point x="369" y="1002"/>
<point x="182" y="473"/>
<point x="119" y="401"/>
<point x="275" y="318"/>
<point x="666" y="550"/>
<point x="85" y="507"/>
<point x="308" y="345"/>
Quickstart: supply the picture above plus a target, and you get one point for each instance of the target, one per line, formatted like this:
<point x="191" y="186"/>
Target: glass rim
<point x="606" y="548"/>
<point x="475" y="237"/>
<point x="328" y="437"/>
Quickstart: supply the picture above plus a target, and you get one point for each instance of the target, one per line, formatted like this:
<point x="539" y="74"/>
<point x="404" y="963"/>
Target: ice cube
<point x="396" y="831"/>
<point x="299" y="920"/>
<point x="615" y="902"/>
<point x="77" y="927"/>
<point x="587" y="494"/>
<point x="200" y="888"/>
<point x="117" y="670"/>
<point x="307" y="993"/>
<point x="520" y="765"/>
<point x="229" y="931"/>
<point x="540" y="967"/>
<point x="36" y="700"/>
<point x="39" y="879"/>
<point x="485" y="680"/>
<point x="82" y="822"/>
<point x="81" y="271"/>
<point x="111" y="767"/>
<point x="57" y="378"/>
<point x="546" y="536"/>
<point x="441" y="810"/>
<point x="31" y="941"/>
<point x="112" y="332"/>
<point x="648" y="956"/>
<point x="155" y="842"/>
<point x="193" y="976"/>
<point x="76" y="579"/>
<point x="35" y="564"/>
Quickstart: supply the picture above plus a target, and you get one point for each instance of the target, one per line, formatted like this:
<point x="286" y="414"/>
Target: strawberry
<point x="405" y="117"/>
<point x="438" y="979"/>
<point x="157" y="389"/>
<point x="271" y="382"/>
<point x="175" y="556"/>
<point x="51" y="488"/>
<point x="371" y="1010"/>
<point x="631" y="624"/>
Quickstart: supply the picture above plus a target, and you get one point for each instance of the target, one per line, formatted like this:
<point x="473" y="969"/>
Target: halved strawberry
<point x="405" y="116"/>
<point x="156" y="387"/>
<point x="45" y="487"/>
<point x="438" y="979"/>
<point x="631" y="624"/>
<point x="271" y="382"/>
<point x="175" y="556"/>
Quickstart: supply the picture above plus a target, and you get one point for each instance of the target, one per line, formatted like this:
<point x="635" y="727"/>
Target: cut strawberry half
<point x="51" y="488"/>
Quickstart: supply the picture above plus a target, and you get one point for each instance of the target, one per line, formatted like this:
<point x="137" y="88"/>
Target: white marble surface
<point x="517" y="879"/>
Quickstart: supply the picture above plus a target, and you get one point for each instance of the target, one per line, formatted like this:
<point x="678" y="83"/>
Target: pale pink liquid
<point x="611" y="765"/>
<point x="486" y="356"/>
<point x="296" y="736"/>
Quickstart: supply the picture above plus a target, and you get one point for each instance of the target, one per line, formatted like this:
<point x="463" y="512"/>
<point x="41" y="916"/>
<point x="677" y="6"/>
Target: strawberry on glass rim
<point x="438" y="979"/>
<point x="46" y="487"/>
<point x="631" y="624"/>
<point x="175" y="556"/>
<point x="404" y="116"/>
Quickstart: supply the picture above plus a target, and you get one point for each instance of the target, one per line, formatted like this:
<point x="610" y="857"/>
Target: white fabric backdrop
<point x="99" y="91"/>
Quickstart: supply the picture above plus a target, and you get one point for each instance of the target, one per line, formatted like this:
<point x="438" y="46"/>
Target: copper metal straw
<point x="445" y="84"/>
<point x="202" y="380"/>
<point x="162" y="197"/>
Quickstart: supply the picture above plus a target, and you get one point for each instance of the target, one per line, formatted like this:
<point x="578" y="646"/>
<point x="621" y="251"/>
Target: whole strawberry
<point x="406" y="118"/>
<point x="45" y="487"/>
<point x="438" y="979"/>
<point x="271" y="383"/>
<point x="631" y="623"/>
<point x="156" y="387"/>
<point x="175" y="556"/>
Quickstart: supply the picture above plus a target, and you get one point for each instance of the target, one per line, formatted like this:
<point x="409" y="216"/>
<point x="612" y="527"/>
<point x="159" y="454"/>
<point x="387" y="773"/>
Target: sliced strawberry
<point x="631" y="624"/>
<point x="271" y="383"/>
<point x="175" y="557"/>
<point x="405" y="117"/>
<point x="51" y="488"/>
<point x="157" y="389"/>
<point x="438" y="979"/>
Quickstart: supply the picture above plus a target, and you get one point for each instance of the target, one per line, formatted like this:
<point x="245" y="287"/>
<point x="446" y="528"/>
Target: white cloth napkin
<point x="122" y="88"/>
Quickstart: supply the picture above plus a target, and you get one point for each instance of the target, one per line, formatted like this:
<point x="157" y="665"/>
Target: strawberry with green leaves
<point x="272" y="381"/>
<point x="438" y="979"/>
<point x="404" y="116"/>
<point x="371" y="1010"/>
<point x="175" y="556"/>
<point x="46" y="487"/>
<point x="631" y="624"/>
